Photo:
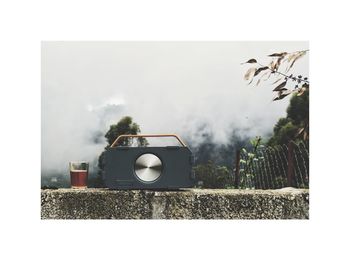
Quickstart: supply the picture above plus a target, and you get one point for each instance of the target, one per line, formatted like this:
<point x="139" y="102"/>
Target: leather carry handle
<point x="148" y="135"/>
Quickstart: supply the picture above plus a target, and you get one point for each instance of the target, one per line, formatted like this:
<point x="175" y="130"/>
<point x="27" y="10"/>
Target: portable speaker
<point x="168" y="167"/>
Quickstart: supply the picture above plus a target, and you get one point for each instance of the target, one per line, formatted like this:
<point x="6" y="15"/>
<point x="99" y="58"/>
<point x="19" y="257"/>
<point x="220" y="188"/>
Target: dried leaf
<point x="260" y="70"/>
<point x="257" y="83"/>
<point x="294" y="58"/>
<point x="305" y="135"/>
<point x="302" y="129"/>
<point x="270" y="72"/>
<point x="277" y="81"/>
<point x="277" y="54"/>
<point x="282" y="95"/>
<point x="249" y="74"/>
<point x="297" y="58"/>
<point x="273" y="64"/>
<point x="278" y="63"/>
<point x="277" y="66"/>
<point x="262" y="76"/>
<point x="301" y="91"/>
<point x="251" y="81"/>
<point x="280" y="86"/>
<point x="250" y="61"/>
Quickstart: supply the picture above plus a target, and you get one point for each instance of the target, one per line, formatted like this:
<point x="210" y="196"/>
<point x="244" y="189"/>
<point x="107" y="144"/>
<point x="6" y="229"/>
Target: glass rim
<point x="76" y="162"/>
<point x="78" y="166"/>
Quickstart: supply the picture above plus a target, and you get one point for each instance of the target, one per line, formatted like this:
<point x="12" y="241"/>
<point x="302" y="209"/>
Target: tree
<point x="213" y="176"/>
<point x="295" y="126"/>
<point x="124" y="126"/>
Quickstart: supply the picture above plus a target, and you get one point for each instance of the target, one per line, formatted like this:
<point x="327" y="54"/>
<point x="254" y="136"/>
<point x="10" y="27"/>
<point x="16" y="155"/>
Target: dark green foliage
<point x="280" y="123"/>
<point x="124" y="126"/>
<point x="298" y="109"/>
<point x="285" y="133"/>
<point x="212" y="176"/>
<point x="294" y="127"/>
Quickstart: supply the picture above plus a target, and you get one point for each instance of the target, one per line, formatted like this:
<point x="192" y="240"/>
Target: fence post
<point x="290" y="173"/>
<point x="237" y="173"/>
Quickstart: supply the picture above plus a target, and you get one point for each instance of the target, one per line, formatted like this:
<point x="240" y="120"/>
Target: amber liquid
<point x="78" y="178"/>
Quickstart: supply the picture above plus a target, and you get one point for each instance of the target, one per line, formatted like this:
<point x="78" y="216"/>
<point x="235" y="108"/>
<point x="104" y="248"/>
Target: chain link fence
<point x="273" y="167"/>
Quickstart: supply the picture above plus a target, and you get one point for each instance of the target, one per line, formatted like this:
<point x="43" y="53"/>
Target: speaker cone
<point x="148" y="167"/>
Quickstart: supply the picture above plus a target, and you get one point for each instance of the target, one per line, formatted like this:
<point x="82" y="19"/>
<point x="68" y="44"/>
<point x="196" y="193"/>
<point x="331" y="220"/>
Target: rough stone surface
<point x="287" y="203"/>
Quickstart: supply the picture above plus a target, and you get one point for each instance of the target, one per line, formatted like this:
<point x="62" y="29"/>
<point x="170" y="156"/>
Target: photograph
<point x="175" y="130"/>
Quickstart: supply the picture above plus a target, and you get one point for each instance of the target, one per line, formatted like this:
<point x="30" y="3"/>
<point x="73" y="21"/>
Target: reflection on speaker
<point x="148" y="167"/>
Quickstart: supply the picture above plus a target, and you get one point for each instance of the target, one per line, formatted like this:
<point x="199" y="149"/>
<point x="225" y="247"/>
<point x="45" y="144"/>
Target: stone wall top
<point x="287" y="203"/>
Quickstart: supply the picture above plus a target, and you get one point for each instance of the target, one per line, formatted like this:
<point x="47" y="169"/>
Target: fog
<point x="188" y="88"/>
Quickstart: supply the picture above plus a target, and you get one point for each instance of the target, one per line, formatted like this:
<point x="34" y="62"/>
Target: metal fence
<point x="273" y="167"/>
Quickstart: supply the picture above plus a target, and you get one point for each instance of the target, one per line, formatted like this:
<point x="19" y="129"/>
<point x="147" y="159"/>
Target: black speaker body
<point x="168" y="167"/>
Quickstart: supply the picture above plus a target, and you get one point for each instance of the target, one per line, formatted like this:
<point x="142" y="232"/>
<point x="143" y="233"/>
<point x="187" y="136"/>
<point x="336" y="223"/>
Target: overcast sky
<point x="167" y="87"/>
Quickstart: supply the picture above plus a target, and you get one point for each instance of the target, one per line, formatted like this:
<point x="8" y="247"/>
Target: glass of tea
<point x="78" y="174"/>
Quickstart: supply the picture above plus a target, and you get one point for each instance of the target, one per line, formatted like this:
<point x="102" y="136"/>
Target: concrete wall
<point x="287" y="203"/>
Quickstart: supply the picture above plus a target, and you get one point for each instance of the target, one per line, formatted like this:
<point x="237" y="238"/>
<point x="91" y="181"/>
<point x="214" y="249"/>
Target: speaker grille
<point x="148" y="167"/>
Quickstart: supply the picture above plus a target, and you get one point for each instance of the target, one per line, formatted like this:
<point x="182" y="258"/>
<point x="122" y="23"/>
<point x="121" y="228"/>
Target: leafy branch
<point x="274" y="68"/>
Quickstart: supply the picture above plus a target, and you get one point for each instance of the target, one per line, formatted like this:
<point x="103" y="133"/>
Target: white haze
<point x="167" y="87"/>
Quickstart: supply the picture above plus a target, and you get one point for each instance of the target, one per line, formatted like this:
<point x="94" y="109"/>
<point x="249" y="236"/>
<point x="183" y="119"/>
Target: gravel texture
<point x="287" y="203"/>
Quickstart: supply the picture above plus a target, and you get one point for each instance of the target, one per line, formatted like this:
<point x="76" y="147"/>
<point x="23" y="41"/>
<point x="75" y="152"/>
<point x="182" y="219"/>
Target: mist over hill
<point x="193" y="89"/>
